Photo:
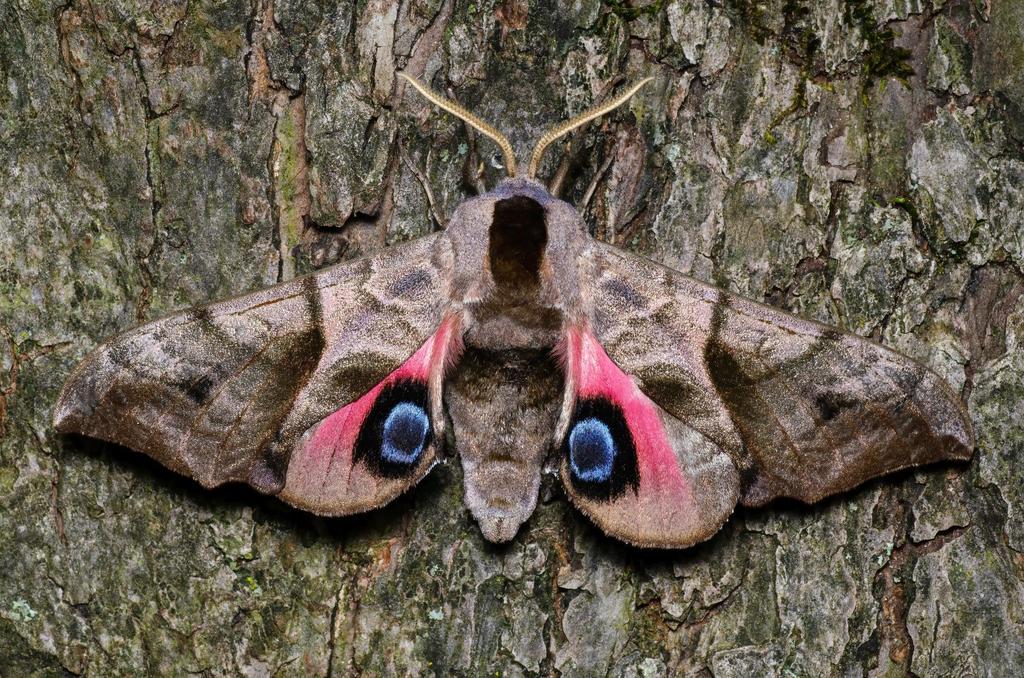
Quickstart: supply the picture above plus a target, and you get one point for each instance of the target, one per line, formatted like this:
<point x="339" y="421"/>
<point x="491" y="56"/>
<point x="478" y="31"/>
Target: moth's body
<point x="505" y="393"/>
<point x="665" y="400"/>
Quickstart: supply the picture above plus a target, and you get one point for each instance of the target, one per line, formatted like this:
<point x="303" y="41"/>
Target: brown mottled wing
<point x="804" y="409"/>
<point x="226" y="391"/>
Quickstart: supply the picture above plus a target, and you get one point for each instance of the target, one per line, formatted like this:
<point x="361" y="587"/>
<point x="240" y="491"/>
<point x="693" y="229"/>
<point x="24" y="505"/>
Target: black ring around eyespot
<point x="597" y="418"/>
<point x="407" y="399"/>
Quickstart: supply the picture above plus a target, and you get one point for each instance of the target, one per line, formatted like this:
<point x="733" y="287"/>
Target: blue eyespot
<point x="405" y="431"/>
<point x="591" y="451"/>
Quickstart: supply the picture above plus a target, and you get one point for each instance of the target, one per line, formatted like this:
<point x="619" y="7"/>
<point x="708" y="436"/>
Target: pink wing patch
<point x="593" y="375"/>
<point x="639" y="473"/>
<point x="327" y="475"/>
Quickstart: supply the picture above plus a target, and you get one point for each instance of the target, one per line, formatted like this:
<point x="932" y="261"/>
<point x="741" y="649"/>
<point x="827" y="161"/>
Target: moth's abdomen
<point x="503" y="406"/>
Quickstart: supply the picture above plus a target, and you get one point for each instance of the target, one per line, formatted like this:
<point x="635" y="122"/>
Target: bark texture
<point x="859" y="162"/>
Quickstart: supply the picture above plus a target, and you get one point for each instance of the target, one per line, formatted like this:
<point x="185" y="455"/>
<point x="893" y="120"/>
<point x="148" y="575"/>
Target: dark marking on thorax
<point x="518" y="237"/>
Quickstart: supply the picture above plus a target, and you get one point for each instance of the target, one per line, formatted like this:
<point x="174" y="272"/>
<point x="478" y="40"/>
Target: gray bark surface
<point x="856" y="162"/>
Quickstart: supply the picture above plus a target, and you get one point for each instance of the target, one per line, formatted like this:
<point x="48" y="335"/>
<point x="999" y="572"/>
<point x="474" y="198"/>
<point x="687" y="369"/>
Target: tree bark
<point x="855" y="162"/>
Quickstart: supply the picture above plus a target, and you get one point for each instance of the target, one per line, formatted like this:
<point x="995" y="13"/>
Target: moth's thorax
<point x="496" y="326"/>
<point x="516" y="258"/>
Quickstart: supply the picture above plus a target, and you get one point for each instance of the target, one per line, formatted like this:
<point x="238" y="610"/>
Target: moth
<point x="663" y="401"/>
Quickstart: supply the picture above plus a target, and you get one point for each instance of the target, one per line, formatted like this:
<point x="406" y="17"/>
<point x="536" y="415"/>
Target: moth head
<point x="518" y="242"/>
<point x="517" y="246"/>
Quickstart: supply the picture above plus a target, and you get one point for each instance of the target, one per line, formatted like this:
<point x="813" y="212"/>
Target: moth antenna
<point x="467" y="117"/>
<point x="577" y="121"/>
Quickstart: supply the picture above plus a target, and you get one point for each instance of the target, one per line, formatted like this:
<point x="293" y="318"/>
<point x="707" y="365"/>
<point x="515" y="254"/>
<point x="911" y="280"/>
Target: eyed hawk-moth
<point x="665" y="401"/>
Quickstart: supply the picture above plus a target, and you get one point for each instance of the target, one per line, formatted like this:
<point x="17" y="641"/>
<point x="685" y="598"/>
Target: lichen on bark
<point x="858" y="162"/>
